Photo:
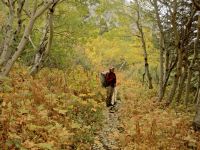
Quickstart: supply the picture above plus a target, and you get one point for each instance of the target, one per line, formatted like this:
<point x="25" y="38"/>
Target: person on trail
<point x="111" y="84"/>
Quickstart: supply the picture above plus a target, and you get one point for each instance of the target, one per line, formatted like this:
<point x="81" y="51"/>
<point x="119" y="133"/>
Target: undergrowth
<point x="64" y="110"/>
<point x="149" y="125"/>
<point x="54" y="110"/>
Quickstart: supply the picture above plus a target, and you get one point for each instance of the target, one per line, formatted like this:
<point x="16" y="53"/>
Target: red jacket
<point x="111" y="79"/>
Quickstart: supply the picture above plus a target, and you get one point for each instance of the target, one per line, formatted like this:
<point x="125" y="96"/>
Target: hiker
<point x="111" y="84"/>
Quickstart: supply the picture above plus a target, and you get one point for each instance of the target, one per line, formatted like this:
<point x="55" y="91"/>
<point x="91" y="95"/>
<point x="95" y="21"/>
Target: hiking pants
<point x="110" y="91"/>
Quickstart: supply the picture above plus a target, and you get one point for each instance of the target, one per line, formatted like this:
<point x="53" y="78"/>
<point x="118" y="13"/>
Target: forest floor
<point x="58" y="112"/>
<point x="141" y="123"/>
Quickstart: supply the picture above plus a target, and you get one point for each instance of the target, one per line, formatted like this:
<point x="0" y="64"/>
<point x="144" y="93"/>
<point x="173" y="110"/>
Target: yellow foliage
<point x="101" y="49"/>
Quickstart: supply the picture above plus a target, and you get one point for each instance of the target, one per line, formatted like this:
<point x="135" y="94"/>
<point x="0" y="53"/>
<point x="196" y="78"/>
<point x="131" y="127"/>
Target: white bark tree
<point x="37" y="11"/>
<point x="140" y="29"/>
<point x="45" y="44"/>
<point x="162" y="48"/>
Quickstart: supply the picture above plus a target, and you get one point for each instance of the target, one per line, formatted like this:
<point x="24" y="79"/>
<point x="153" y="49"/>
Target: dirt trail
<point x="107" y="139"/>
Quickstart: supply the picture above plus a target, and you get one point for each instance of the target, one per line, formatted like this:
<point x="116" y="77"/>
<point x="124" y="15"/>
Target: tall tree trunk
<point x="167" y="67"/>
<point x="45" y="44"/>
<point x="9" y="35"/>
<point x="40" y="52"/>
<point x="139" y="26"/>
<point x="179" y="50"/>
<point x="196" y="121"/>
<point x="178" y="78"/>
<point x="162" y="48"/>
<point x="12" y="34"/>
<point x="167" y="74"/>
<point x="198" y="89"/>
<point x="181" y="84"/>
<point x="196" y="42"/>
<point x="6" y="69"/>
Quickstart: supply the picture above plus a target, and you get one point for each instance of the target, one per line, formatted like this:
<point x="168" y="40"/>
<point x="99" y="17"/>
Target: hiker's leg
<point x="109" y="95"/>
<point x="114" y="96"/>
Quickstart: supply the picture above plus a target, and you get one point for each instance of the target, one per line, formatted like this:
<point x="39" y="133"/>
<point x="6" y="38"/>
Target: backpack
<point x="103" y="78"/>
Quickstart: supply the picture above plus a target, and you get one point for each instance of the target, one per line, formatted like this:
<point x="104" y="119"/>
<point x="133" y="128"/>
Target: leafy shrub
<point x="51" y="111"/>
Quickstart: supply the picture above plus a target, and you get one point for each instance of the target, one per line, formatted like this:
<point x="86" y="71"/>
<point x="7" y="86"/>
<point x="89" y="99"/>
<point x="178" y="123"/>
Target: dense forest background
<point x="51" y="54"/>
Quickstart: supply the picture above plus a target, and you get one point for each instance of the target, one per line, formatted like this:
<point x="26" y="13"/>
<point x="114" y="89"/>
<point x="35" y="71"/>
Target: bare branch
<point x="44" y="8"/>
<point x="31" y="41"/>
<point x="196" y="4"/>
<point x="27" y="13"/>
<point x="34" y="8"/>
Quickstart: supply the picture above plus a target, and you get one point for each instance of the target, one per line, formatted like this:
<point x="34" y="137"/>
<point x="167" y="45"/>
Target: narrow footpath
<point x="108" y="138"/>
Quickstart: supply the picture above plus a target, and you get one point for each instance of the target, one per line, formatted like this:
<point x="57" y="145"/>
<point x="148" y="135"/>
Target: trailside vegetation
<point x="51" y="56"/>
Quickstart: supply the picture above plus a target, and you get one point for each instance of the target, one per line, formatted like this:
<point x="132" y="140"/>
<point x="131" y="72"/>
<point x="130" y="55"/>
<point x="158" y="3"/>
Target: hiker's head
<point x="112" y="69"/>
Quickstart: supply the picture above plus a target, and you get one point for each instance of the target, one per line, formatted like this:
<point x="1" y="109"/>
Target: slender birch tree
<point x="140" y="29"/>
<point x="8" y="58"/>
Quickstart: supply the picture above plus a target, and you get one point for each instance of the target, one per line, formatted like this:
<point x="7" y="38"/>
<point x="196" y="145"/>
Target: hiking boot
<point x="112" y="110"/>
<point x="115" y="103"/>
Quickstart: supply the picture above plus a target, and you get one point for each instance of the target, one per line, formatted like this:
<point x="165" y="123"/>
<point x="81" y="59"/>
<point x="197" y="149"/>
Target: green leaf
<point x="75" y="125"/>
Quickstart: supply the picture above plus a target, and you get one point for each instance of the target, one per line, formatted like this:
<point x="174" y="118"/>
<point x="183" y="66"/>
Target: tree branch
<point x="196" y="4"/>
<point x="42" y="9"/>
<point x="31" y="41"/>
<point x="27" y="13"/>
